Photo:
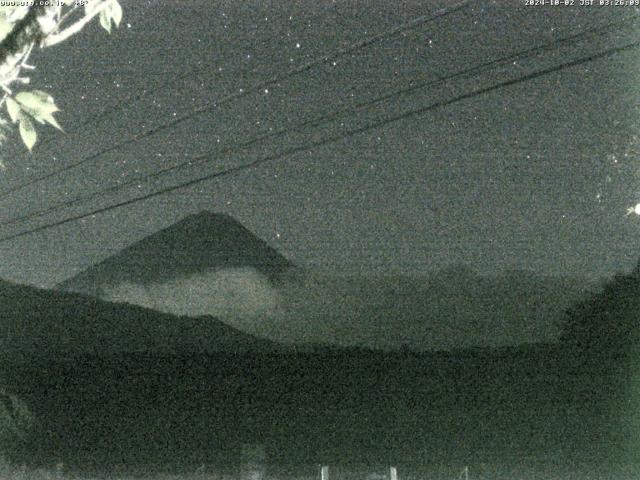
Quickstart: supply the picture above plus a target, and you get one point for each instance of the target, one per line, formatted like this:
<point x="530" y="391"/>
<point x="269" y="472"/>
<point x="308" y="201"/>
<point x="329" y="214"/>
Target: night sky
<point x="537" y="175"/>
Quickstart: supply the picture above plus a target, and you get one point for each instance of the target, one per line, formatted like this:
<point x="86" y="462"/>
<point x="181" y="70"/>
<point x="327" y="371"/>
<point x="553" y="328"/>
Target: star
<point x="635" y="209"/>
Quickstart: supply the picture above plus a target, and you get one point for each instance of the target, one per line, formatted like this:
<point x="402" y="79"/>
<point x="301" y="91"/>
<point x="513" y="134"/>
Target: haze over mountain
<point x="450" y="309"/>
<point x="209" y="264"/>
<point x="44" y="322"/>
<point x="205" y="264"/>
<point x="197" y="244"/>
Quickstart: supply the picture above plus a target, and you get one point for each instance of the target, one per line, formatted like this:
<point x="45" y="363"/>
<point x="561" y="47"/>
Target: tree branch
<point x="25" y="32"/>
<point x="73" y="29"/>
<point x="70" y="12"/>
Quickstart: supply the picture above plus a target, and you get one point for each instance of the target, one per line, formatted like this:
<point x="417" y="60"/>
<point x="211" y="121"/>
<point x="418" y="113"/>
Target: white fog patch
<point x="238" y="294"/>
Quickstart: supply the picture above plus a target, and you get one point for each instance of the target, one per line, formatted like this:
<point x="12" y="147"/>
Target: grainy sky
<point x="537" y="175"/>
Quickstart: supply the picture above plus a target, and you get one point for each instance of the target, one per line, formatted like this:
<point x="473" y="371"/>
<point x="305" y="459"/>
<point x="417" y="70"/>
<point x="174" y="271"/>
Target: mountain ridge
<point x="257" y="290"/>
<point x="197" y="243"/>
<point x="444" y="310"/>
<point x="36" y="321"/>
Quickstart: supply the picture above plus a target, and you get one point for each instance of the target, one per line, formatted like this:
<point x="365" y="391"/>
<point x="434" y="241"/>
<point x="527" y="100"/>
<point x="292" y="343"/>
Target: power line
<point x="129" y="99"/>
<point x="480" y="68"/>
<point x="327" y="141"/>
<point x="115" y="70"/>
<point x="98" y="117"/>
<point x="322" y="119"/>
<point x="243" y="92"/>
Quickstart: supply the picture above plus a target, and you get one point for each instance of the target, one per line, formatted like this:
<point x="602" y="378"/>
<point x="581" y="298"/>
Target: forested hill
<point x="41" y="322"/>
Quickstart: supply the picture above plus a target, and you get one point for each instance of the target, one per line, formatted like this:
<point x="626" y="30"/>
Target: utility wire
<point x="327" y="141"/>
<point x="320" y="120"/>
<point x="243" y="92"/>
<point x="129" y="99"/>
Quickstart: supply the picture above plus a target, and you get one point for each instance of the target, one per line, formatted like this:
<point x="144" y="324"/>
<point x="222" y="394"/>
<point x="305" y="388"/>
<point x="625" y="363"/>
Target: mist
<point x="240" y="296"/>
<point x="453" y="308"/>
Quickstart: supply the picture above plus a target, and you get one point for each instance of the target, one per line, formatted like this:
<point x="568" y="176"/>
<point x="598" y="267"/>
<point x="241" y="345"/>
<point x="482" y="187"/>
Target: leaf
<point x="115" y="11"/>
<point x="91" y="6"/>
<point x="112" y="12"/>
<point x="8" y="11"/>
<point x="105" y="20"/>
<point x="27" y="132"/>
<point x="39" y="105"/>
<point x="14" y="109"/>
<point x="42" y="95"/>
<point x="51" y="121"/>
<point x="37" y="101"/>
<point x="5" y="27"/>
<point x="17" y="11"/>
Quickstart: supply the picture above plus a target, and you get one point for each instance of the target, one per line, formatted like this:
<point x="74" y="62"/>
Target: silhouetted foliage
<point x="338" y="406"/>
<point x="608" y="321"/>
<point x="25" y="26"/>
<point x="16" y="422"/>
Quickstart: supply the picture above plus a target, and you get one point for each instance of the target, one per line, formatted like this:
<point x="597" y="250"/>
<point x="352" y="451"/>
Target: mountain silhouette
<point x="606" y="323"/>
<point x="201" y="243"/>
<point x="38" y="322"/>
<point x="453" y="308"/>
<point x="209" y="264"/>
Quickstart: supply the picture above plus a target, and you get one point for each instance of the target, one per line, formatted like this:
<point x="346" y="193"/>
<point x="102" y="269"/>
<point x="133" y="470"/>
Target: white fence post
<point x="324" y="472"/>
<point x="393" y="473"/>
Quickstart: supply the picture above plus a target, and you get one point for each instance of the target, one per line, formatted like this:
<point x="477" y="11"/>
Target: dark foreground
<point x="537" y="412"/>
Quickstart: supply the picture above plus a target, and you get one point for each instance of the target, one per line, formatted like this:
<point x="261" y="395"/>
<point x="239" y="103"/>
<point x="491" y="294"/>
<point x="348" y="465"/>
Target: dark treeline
<point x="608" y="322"/>
<point x="535" y="404"/>
<point x="575" y="403"/>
